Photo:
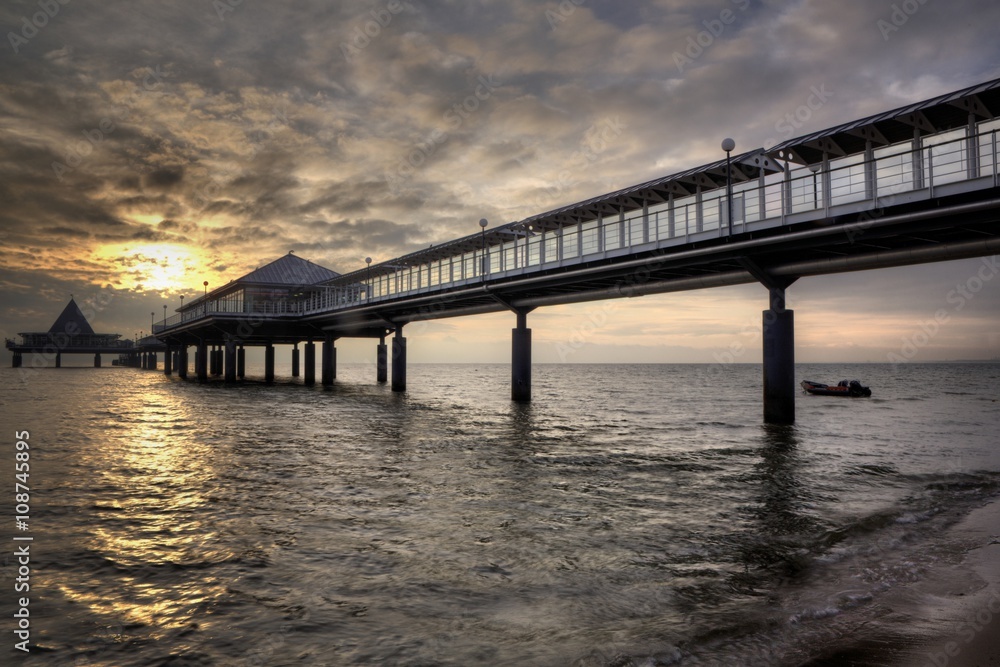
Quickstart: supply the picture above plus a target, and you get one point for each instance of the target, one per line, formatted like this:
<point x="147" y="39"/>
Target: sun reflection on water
<point x="148" y="518"/>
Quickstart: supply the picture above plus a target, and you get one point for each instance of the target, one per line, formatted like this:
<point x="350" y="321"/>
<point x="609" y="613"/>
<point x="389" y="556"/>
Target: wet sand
<point x="970" y="632"/>
<point x="952" y="616"/>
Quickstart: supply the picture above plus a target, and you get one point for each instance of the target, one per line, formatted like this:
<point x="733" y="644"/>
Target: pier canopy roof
<point x="285" y="276"/>
<point x="288" y="271"/>
<point x="71" y="320"/>
<point x="939" y="114"/>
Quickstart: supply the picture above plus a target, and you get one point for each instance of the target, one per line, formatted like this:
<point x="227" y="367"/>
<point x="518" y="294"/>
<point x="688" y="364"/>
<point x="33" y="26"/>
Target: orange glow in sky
<point x="150" y="267"/>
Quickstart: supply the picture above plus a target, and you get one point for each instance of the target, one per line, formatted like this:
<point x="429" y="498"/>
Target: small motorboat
<point x="852" y="388"/>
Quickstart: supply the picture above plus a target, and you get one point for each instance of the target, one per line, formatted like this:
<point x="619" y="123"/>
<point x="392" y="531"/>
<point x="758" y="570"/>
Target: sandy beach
<point x="966" y="600"/>
<point x="951" y="615"/>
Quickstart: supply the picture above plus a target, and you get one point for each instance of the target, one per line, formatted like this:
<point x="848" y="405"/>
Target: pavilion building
<point x="71" y="333"/>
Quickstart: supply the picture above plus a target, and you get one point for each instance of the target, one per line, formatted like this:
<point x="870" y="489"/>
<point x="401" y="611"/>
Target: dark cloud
<point x="164" y="179"/>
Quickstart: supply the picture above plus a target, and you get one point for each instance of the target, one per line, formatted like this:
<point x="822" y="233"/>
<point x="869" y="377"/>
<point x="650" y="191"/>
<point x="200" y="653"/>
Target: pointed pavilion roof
<point x="71" y="320"/>
<point x="289" y="270"/>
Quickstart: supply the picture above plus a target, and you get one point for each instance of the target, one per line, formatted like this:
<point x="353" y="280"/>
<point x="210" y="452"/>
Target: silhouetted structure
<point x="71" y="333"/>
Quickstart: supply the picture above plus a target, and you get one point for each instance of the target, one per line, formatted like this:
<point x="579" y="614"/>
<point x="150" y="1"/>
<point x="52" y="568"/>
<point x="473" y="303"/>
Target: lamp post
<point x="205" y="303"/>
<point x="368" y="288"/>
<point x="482" y="224"/>
<point x="151" y="316"/>
<point x="814" y="168"/>
<point x="729" y="145"/>
<point x="164" y="314"/>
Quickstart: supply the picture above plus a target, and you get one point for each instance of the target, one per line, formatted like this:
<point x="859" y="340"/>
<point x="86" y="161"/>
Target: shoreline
<point x="970" y="636"/>
<point x="952" y="616"/>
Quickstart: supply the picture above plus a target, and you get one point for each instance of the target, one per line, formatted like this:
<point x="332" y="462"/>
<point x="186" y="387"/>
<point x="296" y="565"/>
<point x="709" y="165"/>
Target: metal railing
<point x="66" y="341"/>
<point x="868" y="181"/>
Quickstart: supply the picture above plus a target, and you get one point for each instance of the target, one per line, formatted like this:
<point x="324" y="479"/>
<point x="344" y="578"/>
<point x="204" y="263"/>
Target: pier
<point x="908" y="186"/>
<point x="71" y="333"/>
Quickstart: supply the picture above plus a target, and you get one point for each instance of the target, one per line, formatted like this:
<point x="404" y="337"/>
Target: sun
<point x="162" y="267"/>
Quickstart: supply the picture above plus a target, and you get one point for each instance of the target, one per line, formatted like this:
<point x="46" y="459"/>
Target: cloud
<point x="242" y="134"/>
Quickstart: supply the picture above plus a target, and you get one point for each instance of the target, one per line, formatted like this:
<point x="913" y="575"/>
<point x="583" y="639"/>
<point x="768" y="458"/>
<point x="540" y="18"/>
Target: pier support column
<point x="520" y="386"/>
<point x="269" y="364"/>
<point x="310" y="360"/>
<point x="16" y="360"/>
<point x="168" y="365"/>
<point x="58" y="359"/>
<point x="399" y="360"/>
<point x="217" y="361"/>
<point x="230" y="361"/>
<point x="329" y="371"/>
<point x="97" y="360"/>
<point x="201" y="362"/>
<point x="779" y="361"/>
<point x="182" y="362"/>
<point x="295" y="361"/>
<point x="241" y="363"/>
<point x="152" y="361"/>
<point x="382" y="362"/>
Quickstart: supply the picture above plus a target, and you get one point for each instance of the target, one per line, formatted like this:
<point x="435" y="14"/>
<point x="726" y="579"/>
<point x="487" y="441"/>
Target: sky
<point x="149" y="146"/>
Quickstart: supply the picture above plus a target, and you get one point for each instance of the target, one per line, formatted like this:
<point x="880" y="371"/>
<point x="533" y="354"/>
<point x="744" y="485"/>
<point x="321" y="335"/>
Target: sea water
<point x="631" y="514"/>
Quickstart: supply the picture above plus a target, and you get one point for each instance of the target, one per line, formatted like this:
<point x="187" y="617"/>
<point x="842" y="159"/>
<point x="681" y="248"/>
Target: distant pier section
<point x="71" y="333"/>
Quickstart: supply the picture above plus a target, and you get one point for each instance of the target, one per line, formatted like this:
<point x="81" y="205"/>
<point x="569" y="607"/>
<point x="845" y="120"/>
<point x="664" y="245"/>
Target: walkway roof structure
<point x="939" y="114"/>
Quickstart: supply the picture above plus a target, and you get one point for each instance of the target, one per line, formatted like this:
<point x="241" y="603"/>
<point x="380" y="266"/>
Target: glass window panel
<point x="551" y="246"/>
<point x="710" y="213"/>
<point x="612" y="229"/>
<point x="570" y="239"/>
<point x="589" y="232"/>
<point x="534" y="246"/>
<point x="635" y="230"/>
